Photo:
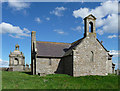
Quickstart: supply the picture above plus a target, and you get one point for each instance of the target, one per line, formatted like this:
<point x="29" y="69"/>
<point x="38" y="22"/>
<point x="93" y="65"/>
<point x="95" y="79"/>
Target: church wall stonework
<point x="110" y="66"/>
<point x="86" y="56"/>
<point x="58" y="65"/>
<point x="86" y="63"/>
<point x="68" y="65"/>
<point x="44" y="66"/>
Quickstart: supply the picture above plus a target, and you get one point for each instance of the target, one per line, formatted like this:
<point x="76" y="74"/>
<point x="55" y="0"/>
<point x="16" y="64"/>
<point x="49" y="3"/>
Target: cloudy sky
<point x="56" y="22"/>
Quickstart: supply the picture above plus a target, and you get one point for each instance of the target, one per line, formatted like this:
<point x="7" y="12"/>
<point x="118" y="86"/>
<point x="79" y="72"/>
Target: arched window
<point x="16" y="62"/>
<point x="91" y="27"/>
<point x="92" y="56"/>
<point x="16" y="48"/>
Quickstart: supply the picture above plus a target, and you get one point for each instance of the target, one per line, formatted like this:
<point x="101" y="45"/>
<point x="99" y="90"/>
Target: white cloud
<point x="59" y="31"/>
<point x="26" y="30"/>
<point x="37" y="19"/>
<point x="17" y="5"/>
<point x="112" y="36"/>
<point x="15" y="36"/>
<point x="100" y="32"/>
<point x="82" y="1"/>
<point x="82" y="12"/>
<point x="105" y="25"/>
<point x="78" y="28"/>
<point x="58" y="11"/>
<point x="14" y="31"/>
<point x="4" y="63"/>
<point x="47" y="18"/>
<point x="115" y="53"/>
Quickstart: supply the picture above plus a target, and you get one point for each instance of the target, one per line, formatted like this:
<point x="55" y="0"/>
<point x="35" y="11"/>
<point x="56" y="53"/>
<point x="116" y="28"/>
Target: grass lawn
<point x="22" y="80"/>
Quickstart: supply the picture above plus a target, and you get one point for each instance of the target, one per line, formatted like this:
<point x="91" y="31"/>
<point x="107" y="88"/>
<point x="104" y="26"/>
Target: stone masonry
<point x="16" y="59"/>
<point x="86" y="56"/>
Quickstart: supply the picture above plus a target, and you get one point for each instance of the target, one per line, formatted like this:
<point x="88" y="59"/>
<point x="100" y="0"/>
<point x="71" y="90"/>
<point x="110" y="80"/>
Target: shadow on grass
<point x="29" y="73"/>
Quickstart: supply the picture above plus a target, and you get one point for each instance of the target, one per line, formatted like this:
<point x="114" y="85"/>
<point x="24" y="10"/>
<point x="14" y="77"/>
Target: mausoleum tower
<point x="33" y="52"/>
<point x="16" y="59"/>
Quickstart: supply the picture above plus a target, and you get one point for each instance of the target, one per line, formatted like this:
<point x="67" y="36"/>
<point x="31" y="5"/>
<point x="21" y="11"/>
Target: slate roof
<point x="74" y="44"/>
<point x="51" y="49"/>
<point x="56" y="49"/>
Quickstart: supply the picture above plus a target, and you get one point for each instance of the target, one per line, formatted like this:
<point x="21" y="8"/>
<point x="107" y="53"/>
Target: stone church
<point x="16" y="59"/>
<point x="86" y="56"/>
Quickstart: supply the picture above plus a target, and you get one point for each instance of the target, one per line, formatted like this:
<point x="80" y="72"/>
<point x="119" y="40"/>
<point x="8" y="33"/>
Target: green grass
<point x="21" y="80"/>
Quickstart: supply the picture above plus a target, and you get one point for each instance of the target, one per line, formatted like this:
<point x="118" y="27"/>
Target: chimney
<point x="33" y="52"/>
<point x="33" y="40"/>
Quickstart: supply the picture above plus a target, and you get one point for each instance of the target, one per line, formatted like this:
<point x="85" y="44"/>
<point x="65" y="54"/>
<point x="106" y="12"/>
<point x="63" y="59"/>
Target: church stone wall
<point x="110" y="66"/>
<point x="89" y="58"/>
<point x="47" y="66"/>
<point x="68" y="65"/>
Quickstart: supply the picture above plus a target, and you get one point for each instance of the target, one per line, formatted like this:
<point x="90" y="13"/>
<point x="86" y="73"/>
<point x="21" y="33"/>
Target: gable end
<point x="102" y="45"/>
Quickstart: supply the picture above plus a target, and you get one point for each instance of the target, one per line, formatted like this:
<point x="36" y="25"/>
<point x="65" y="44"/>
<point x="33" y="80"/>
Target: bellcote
<point x="89" y="26"/>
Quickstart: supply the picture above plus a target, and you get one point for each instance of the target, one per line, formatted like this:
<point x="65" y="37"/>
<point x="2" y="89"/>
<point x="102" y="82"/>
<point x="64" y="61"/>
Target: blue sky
<point x="56" y="22"/>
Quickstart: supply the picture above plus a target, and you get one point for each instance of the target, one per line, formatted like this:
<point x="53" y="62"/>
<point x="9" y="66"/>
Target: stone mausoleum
<point x="17" y="59"/>
<point x="86" y="56"/>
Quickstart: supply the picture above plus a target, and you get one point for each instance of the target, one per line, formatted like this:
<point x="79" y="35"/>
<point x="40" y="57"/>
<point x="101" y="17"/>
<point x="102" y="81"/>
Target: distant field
<point x="21" y="80"/>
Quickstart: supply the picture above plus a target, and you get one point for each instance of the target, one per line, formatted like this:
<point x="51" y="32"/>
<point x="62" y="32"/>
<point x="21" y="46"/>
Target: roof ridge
<point x="52" y="42"/>
<point x="77" y="41"/>
<point x="102" y="45"/>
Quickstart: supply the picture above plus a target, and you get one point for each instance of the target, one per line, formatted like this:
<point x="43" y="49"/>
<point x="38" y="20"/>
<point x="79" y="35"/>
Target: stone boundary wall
<point x="16" y="68"/>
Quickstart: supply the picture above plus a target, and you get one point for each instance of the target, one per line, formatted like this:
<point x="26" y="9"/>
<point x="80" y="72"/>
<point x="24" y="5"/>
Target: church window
<point x="92" y="56"/>
<point x="91" y="27"/>
<point x="50" y="62"/>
